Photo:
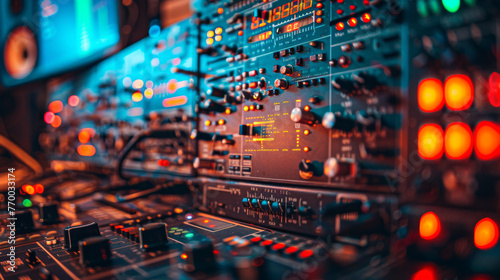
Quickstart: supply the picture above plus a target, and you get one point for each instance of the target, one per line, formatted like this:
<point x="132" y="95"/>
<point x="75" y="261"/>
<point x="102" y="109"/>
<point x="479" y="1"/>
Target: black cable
<point x="153" y="133"/>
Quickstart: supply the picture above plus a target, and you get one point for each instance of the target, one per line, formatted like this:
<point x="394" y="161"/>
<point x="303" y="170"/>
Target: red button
<point x="306" y="254"/>
<point x="266" y="243"/>
<point x="278" y="247"/>
<point x="291" y="250"/>
<point x="256" y="239"/>
<point x="253" y="85"/>
<point x="253" y="73"/>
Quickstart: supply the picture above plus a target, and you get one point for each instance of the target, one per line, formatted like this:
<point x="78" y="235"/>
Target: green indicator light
<point x="189" y="235"/>
<point x="174" y="228"/>
<point x="422" y="8"/>
<point x="470" y="2"/>
<point x="435" y="7"/>
<point x="451" y="6"/>
<point x="27" y="203"/>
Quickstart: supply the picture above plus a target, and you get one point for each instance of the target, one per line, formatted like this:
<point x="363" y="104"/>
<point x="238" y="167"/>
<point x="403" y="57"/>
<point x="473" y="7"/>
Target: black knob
<point x="74" y="234"/>
<point x="24" y="221"/>
<point x="198" y="256"/>
<point x="49" y="213"/>
<point x="339" y="122"/>
<point x="203" y="163"/>
<point x="95" y="251"/>
<point x="31" y="256"/>
<point x="213" y="91"/>
<point x="344" y="61"/>
<point x="308" y="169"/>
<point x="153" y="236"/>
<point x="281" y="83"/>
<point x="301" y="116"/>
<point x="286" y="70"/>
<point x="340" y="167"/>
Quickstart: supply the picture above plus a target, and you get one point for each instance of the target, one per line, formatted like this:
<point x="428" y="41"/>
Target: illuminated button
<point x="451" y="6"/>
<point x="340" y="26"/>
<point x="315" y="44"/>
<point x="494" y="90"/>
<point x="306" y="254"/>
<point x="485" y="234"/>
<point x="430" y="95"/>
<point x="322" y="56"/>
<point x="430" y="141"/>
<point x="284" y="53"/>
<point x="458" y="141"/>
<point x="292" y="250"/>
<point x="245" y="202"/>
<point x="264" y="205"/>
<point x="430" y="226"/>
<point x="346" y="48"/>
<point x="276" y="207"/>
<point x="253" y="85"/>
<point x="278" y="247"/>
<point x="366" y="18"/>
<point x="458" y="92"/>
<point x="254" y="203"/>
<point x="344" y="61"/>
<point x="252" y="73"/>
<point x="352" y="22"/>
<point x="266" y="243"/>
<point x="319" y="6"/>
<point x="262" y="70"/>
<point x="487" y="140"/>
<point x="286" y="70"/>
<point x="358" y="45"/>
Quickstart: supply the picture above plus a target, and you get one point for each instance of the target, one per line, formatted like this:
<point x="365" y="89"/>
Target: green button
<point x="451" y="6"/>
<point x="189" y="235"/>
<point x="174" y="228"/>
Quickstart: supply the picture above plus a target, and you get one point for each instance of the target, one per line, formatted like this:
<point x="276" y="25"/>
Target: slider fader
<point x="276" y="139"/>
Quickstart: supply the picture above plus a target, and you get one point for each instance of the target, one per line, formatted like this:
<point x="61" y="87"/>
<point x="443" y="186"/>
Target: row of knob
<point x="275" y="207"/>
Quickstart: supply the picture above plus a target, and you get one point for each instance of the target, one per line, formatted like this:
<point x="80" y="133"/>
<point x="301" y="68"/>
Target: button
<point x="276" y="92"/>
<point x="270" y="92"/>
<point x="31" y="256"/>
<point x="245" y="203"/>
<point x="332" y="63"/>
<point x="286" y="70"/>
<point x="198" y="256"/>
<point x="252" y="73"/>
<point x="299" y="61"/>
<point x="284" y="53"/>
<point x="315" y="82"/>
<point x="306" y="254"/>
<point x="253" y="85"/>
<point x="290" y="210"/>
<point x="266" y="243"/>
<point x="344" y="61"/>
<point x="278" y="247"/>
<point x="292" y="250"/>
<point x="262" y="83"/>
<point x="322" y="81"/>
<point x="291" y="51"/>
<point x="247" y="169"/>
<point x="234" y="156"/>
<point x="313" y="58"/>
<point x="322" y="57"/>
<point x="276" y="55"/>
<point x="49" y="213"/>
<point x="73" y="234"/>
<point x="153" y="235"/>
<point x="315" y="44"/>
<point x="276" y="207"/>
<point x="230" y="59"/>
<point x="239" y="78"/>
<point x="95" y="251"/>
<point x="262" y="70"/>
<point x="255" y="239"/>
<point x="358" y="45"/>
<point x="300" y="84"/>
<point x="299" y="48"/>
<point x="315" y="99"/>
<point x="255" y="203"/>
<point x="24" y="222"/>
<point x="247" y="157"/>
<point x="346" y="48"/>
<point x="276" y="68"/>
<point x="281" y="83"/>
<point x="264" y="205"/>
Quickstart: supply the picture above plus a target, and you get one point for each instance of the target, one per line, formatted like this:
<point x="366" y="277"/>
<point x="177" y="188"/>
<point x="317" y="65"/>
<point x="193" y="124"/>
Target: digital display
<point x="280" y="12"/>
<point x="260" y="37"/>
<point x="296" y="25"/>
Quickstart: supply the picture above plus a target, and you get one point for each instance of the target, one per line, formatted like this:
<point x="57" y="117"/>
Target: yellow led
<point x="218" y="30"/>
<point x="218" y="38"/>
<point x="210" y="41"/>
<point x="210" y="34"/>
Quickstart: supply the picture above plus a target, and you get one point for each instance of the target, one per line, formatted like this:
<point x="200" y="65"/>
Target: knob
<point x="203" y="163"/>
<point x="286" y="70"/>
<point x="213" y="91"/>
<point x="345" y="86"/>
<point x="198" y="256"/>
<point x="344" y="61"/>
<point x="24" y="221"/>
<point x="206" y="136"/>
<point x="49" y="213"/>
<point x="74" y="234"/>
<point x="281" y="83"/>
<point x="307" y="169"/>
<point x="300" y="116"/>
<point x="339" y="168"/>
<point x="336" y="121"/>
<point x="153" y="236"/>
<point x="95" y="251"/>
<point x="31" y="256"/>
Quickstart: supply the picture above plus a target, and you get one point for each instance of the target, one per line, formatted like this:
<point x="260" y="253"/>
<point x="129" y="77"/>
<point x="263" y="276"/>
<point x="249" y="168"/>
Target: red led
<point x="49" y="117"/>
<point x="184" y="256"/>
<point x="319" y="20"/>
<point x="279" y="246"/>
<point x="339" y="26"/>
<point x="319" y="6"/>
<point x="291" y="250"/>
<point x="366" y="18"/>
<point x="352" y="7"/>
<point x="39" y="188"/>
<point x="339" y="11"/>
<point x="206" y="221"/>
<point x="256" y="239"/>
<point x="240" y="33"/>
<point x="340" y="1"/>
<point x="211" y="226"/>
<point x="306" y="254"/>
<point x="494" y="90"/>
<point x="352" y="22"/>
<point x="266" y="243"/>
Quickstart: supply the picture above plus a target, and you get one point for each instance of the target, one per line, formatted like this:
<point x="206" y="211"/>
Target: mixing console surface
<point x="276" y="139"/>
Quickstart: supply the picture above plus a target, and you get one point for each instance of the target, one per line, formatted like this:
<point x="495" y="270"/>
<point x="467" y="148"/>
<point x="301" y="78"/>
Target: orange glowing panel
<point x="84" y="136"/>
<point x="174" y="101"/>
<point x="458" y="141"/>
<point x="485" y="234"/>
<point x="430" y="226"/>
<point x="494" y="90"/>
<point x="56" y="106"/>
<point x="86" y="150"/>
<point x="56" y="122"/>
<point x="430" y="95"/>
<point x="458" y="92"/>
<point x="430" y="141"/>
<point x="73" y="100"/>
<point x="487" y="140"/>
